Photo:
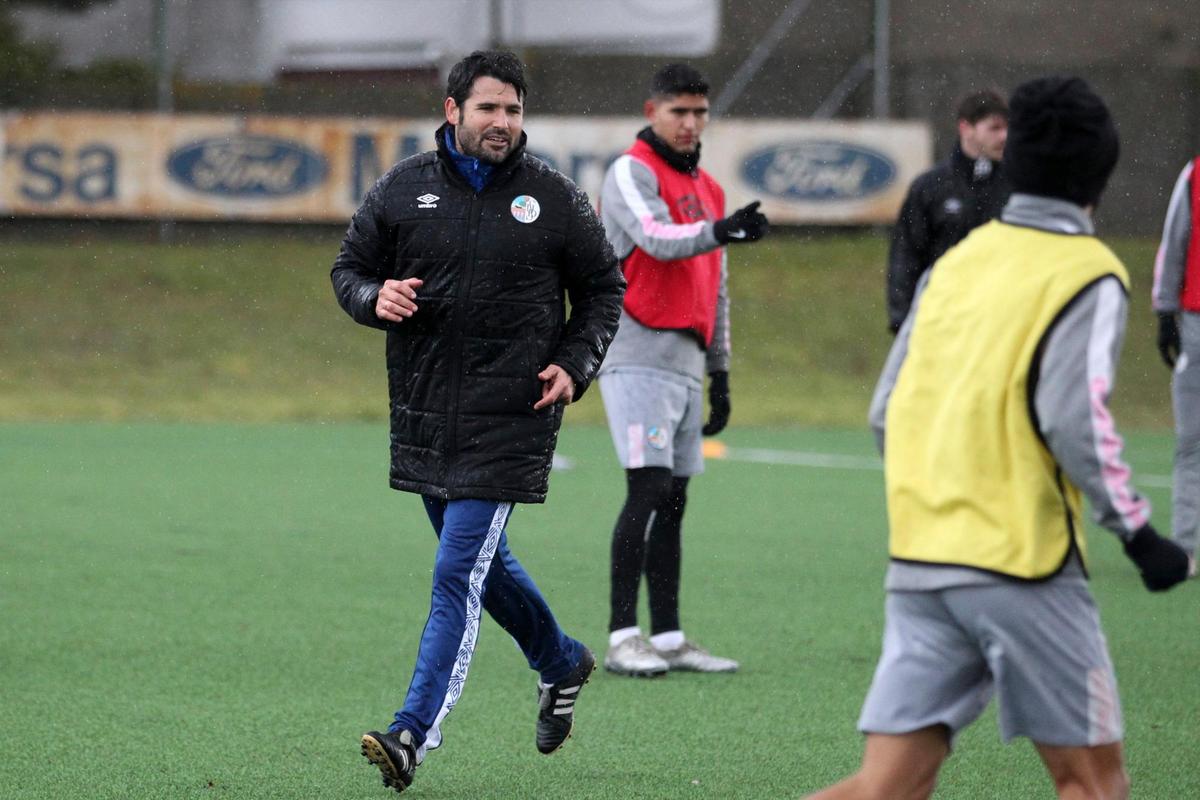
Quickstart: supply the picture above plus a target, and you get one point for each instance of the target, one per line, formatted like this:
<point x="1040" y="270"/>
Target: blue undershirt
<point x="476" y="172"/>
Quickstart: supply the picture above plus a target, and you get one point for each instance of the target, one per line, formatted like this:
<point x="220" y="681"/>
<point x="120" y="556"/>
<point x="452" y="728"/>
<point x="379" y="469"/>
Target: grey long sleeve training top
<point x="1171" y="262"/>
<point x="635" y="215"/>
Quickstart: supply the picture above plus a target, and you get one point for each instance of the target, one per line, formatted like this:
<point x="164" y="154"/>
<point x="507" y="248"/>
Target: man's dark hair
<point x="499" y="64"/>
<point x="676" y="79"/>
<point x="980" y="105"/>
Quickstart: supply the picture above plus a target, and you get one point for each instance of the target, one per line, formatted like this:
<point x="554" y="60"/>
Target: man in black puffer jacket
<point x="463" y="255"/>
<point x="946" y="203"/>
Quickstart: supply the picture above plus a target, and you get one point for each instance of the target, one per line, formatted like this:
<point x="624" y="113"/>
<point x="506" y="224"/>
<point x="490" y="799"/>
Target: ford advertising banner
<point x="316" y="170"/>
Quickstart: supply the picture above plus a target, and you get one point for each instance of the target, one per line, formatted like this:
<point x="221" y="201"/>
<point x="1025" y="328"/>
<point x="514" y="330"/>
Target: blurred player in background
<point x="1177" y="302"/>
<point x="666" y="220"/>
<point x="463" y="255"/>
<point x="993" y="407"/>
<point x="944" y="204"/>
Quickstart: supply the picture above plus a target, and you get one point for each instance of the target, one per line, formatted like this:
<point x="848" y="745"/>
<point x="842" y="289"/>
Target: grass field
<point x="207" y="590"/>
<point x="245" y="328"/>
<point x="218" y="611"/>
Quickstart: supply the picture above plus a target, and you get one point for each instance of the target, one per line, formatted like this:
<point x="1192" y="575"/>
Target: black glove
<point x="718" y="403"/>
<point x="1161" y="562"/>
<point x="744" y="225"/>
<point x="1168" y="338"/>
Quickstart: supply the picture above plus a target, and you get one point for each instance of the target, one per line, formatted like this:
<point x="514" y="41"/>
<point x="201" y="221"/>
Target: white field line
<point x="1157" y="481"/>
<point x="803" y="458"/>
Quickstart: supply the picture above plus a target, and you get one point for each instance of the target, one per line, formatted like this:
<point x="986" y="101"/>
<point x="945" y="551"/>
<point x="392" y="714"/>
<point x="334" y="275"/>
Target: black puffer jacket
<point x="943" y="205"/>
<point x="462" y="371"/>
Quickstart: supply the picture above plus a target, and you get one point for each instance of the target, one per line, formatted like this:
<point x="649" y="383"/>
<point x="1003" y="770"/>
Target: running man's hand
<point x="1169" y="344"/>
<point x="557" y="387"/>
<point x="397" y="299"/>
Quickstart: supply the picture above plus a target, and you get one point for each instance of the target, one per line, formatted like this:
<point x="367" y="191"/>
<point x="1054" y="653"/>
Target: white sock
<point x="620" y="635"/>
<point x="671" y="640"/>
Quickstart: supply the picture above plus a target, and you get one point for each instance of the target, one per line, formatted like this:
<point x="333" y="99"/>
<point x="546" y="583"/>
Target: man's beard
<point x="472" y="145"/>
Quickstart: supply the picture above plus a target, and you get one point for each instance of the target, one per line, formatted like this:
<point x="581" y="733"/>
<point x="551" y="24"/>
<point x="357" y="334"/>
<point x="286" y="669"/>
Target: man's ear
<point x="648" y="109"/>
<point x="453" y="112"/>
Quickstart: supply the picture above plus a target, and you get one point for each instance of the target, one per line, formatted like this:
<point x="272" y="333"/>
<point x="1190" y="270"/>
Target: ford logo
<point x="246" y="166"/>
<point x="820" y="171"/>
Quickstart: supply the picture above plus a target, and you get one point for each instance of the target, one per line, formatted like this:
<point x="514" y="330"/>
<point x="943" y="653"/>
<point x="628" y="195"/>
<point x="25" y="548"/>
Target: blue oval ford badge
<point x="818" y="171"/>
<point x="246" y="166"/>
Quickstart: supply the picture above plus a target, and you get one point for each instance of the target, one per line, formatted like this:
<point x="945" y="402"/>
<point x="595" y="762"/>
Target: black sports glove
<point x="718" y="403"/>
<point x="1161" y="562"/>
<point x="1168" y="338"/>
<point x="744" y="225"/>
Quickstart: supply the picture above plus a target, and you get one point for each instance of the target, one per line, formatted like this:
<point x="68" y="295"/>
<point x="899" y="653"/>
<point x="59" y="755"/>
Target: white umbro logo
<point x="427" y="201"/>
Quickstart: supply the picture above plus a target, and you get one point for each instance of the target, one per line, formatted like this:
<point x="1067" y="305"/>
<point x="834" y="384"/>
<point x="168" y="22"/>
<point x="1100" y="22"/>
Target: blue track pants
<point x="474" y="570"/>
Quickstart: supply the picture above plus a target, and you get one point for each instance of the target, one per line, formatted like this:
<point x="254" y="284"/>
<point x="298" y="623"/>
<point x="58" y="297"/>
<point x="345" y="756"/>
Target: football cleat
<point x="556" y="705"/>
<point x="688" y="657"/>
<point x="394" y="754"/>
<point x="636" y="657"/>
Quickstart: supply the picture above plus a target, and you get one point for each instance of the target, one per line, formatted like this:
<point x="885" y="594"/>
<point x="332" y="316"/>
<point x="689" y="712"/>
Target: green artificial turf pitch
<point x="245" y="328"/>
<point x="219" y="611"/>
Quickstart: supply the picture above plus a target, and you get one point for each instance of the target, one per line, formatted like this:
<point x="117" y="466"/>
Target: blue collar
<point x="476" y="172"/>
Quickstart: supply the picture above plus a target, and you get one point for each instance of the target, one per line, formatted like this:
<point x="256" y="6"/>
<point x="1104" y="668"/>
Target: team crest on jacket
<point x="525" y="209"/>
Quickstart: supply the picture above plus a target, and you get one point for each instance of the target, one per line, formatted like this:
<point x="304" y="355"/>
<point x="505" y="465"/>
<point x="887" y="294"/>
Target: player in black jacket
<point x="464" y="256"/>
<point x="944" y="204"/>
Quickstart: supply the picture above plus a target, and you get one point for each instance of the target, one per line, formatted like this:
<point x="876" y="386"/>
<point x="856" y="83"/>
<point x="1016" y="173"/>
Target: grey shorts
<point x="655" y="418"/>
<point x="1038" y="647"/>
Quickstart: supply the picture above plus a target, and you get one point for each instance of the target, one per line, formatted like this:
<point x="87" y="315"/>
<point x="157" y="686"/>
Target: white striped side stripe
<point x="466" y="647"/>
<point x="635" y="438"/>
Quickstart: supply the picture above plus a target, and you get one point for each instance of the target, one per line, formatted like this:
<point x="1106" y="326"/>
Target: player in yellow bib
<point x="993" y="416"/>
